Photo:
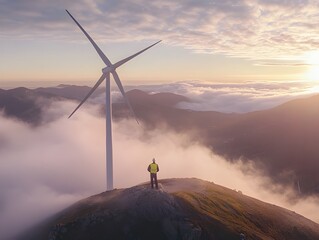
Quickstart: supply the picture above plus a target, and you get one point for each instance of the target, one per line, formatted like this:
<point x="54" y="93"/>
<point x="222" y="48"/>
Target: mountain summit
<point x="180" y="209"/>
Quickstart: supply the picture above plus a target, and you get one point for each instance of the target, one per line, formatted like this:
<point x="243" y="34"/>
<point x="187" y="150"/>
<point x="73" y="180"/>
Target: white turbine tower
<point x="110" y="68"/>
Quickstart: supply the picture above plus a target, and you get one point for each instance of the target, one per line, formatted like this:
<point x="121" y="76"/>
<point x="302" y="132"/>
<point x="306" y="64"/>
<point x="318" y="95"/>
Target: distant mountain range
<point x="180" y="209"/>
<point x="283" y="141"/>
<point x="27" y="104"/>
<point x="69" y="91"/>
<point x="20" y="103"/>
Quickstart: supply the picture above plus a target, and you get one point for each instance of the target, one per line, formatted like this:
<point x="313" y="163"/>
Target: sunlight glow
<point x="312" y="60"/>
<point x="312" y="73"/>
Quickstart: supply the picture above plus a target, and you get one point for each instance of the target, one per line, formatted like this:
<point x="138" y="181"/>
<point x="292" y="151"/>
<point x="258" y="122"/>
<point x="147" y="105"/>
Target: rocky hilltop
<point x="180" y="209"/>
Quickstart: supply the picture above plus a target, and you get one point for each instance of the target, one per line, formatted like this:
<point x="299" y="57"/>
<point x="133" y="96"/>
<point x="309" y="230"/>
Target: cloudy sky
<point x="207" y="40"/>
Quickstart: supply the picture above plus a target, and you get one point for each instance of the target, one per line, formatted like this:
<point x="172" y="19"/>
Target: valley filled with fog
<point x="48" y="166"/>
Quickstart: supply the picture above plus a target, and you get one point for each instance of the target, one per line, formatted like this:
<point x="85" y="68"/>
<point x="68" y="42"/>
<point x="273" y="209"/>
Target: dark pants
<point x="154" y="178"/>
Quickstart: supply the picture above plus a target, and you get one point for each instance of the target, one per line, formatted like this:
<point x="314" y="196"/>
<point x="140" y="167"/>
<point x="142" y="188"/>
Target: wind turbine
<point x="109" y="69"/>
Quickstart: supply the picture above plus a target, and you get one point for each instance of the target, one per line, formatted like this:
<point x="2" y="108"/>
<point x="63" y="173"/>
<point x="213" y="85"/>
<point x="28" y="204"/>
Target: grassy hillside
<point x="180" y="209"/>
<point x="216" y="206"/>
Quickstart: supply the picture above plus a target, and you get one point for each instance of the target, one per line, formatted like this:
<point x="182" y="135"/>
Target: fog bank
<point x="47" y="168"/>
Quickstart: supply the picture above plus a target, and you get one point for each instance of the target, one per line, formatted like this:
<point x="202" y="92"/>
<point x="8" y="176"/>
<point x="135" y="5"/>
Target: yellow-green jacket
<point x="153" y="168"/>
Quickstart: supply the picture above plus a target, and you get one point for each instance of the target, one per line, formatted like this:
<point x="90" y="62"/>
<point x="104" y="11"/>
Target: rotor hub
<point x="107" y="69"/>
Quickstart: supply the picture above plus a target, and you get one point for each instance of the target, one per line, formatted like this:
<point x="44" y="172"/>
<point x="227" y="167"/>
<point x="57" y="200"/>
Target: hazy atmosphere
<point x="235" y="97"/>
<point x="228" y="95"/>
<point x="46" y="168"/>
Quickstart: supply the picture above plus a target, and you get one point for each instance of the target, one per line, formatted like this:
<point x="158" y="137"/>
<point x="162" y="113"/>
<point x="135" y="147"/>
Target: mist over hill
<point x="48" y="164"/>
<point x="281" y="141"/>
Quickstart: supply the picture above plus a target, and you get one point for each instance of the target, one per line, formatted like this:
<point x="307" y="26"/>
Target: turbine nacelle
<point x="108" y="69"/>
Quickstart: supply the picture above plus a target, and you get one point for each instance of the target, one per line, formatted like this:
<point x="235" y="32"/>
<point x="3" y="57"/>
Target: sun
<point x="312" y="73"/>
<point x="311" y="59"/>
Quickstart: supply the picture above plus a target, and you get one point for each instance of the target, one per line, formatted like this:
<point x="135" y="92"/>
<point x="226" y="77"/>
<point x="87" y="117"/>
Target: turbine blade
<point x="89" y="94"/>
<point x="121" y="62"/>
<point x="119" y="84"/>
<point x="98" y="50"/>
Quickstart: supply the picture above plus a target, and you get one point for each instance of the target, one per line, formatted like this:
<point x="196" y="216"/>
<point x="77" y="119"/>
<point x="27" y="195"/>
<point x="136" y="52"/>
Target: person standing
<point x="153" y="169"/>
<point x="242" y="236"/>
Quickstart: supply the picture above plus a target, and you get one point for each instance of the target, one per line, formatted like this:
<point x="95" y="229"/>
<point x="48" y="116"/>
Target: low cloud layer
<point x="234" y="97"/>
<point x="45" y="169"/>
<point x="256" y="29"/>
